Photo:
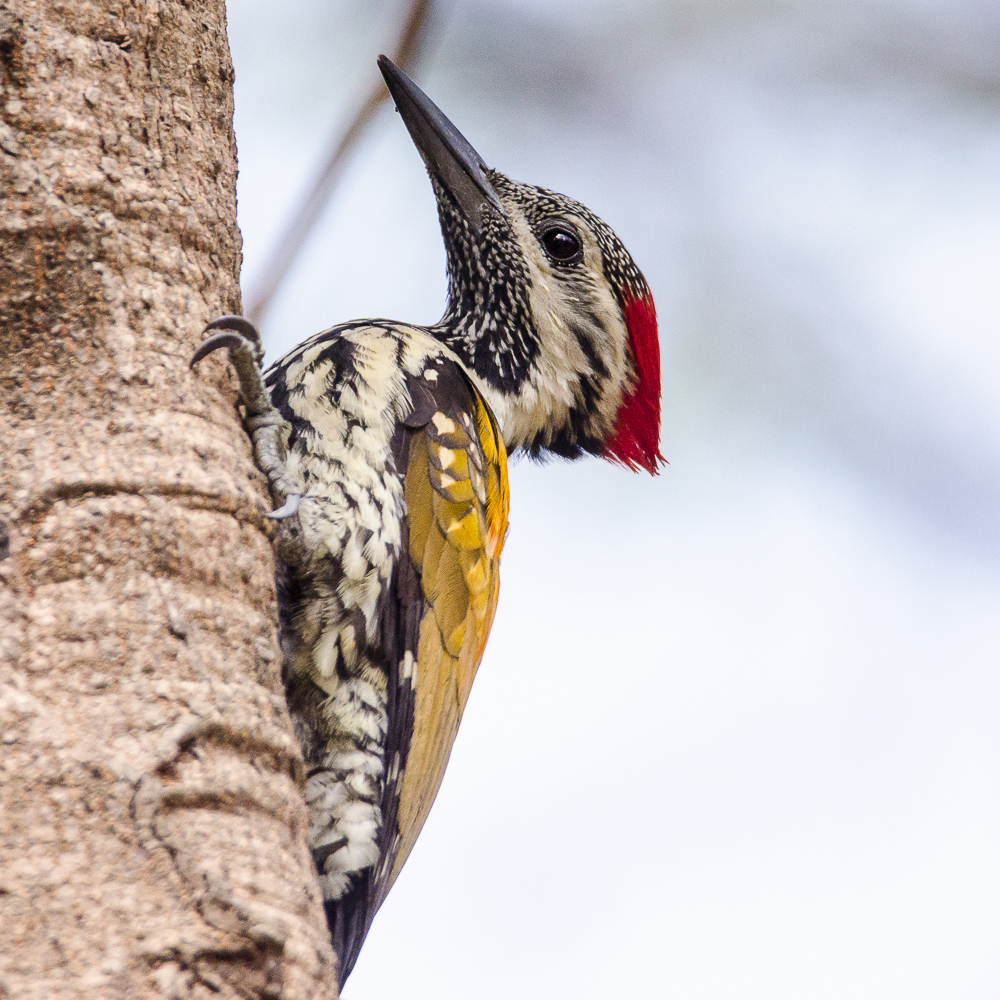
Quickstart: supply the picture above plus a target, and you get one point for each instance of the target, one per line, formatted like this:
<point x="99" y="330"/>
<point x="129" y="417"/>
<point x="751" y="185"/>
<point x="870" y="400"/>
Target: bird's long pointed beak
<point x="447" y="153"/>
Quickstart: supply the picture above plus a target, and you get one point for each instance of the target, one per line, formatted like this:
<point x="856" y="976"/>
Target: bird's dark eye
<point x="562" y="244"/>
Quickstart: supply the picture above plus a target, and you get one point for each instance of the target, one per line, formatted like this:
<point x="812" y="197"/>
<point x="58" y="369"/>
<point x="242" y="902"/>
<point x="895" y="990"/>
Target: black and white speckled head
<point x="545" y="304"/>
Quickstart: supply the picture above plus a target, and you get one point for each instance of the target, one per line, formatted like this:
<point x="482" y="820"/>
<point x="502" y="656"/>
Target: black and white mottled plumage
<point x="386" y="446"/>
<point x="359" y="580"/>
<point x="548" y="337"/>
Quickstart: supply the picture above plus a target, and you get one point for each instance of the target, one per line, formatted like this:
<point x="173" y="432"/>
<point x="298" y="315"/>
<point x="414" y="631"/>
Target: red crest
<point x="636" y="440"/>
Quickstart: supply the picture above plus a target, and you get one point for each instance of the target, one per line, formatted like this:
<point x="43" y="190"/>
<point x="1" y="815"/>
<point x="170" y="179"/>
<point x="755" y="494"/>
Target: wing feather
<point x="434" y="618"/>
<point x="457" y="501"/>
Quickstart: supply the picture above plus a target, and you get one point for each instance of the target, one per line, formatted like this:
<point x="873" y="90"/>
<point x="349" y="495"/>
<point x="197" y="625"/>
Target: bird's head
<point x="545" y="304"/>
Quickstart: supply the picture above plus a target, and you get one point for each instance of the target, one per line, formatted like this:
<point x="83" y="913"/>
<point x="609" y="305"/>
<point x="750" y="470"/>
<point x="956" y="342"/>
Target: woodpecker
<point x="388" y="444"/>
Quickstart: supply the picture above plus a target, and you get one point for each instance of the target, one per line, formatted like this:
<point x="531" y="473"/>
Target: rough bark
<point x="152" y="831"/>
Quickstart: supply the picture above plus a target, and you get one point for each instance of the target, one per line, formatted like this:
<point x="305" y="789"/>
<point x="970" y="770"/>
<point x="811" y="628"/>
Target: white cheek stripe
<point x="553" y="388"/>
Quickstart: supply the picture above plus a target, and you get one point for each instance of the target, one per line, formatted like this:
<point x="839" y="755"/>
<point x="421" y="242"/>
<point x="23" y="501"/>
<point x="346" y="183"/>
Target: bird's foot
<point x="246" y="352"/>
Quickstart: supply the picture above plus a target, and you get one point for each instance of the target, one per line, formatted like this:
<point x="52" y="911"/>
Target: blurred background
<point x="737" y="731"/>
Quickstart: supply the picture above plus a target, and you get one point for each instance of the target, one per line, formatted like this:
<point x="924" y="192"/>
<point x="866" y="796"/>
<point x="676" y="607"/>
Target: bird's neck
<point x="492" y="333"/>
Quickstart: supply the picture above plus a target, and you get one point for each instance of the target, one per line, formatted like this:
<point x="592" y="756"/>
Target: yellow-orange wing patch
<point x="457" y="500"/>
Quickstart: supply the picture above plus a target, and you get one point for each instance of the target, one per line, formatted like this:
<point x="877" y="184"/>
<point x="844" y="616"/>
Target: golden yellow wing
<point x="436" y="618"/>
<point x="457" y="499"/>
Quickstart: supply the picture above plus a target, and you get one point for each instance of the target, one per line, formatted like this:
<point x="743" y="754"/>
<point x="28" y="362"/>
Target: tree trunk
<point x="152" y="829"/>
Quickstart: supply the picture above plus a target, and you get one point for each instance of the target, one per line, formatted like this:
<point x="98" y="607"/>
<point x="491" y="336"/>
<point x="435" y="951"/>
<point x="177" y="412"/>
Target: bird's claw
<point x="288" y="509"/>
<point x="242" y="326"/>
<point x="246" y="351"/>
<point x="213" y="343"/>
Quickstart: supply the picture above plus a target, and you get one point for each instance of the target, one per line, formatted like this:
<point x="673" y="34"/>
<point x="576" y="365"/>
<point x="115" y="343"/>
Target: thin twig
<point x="286" y="249"/>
